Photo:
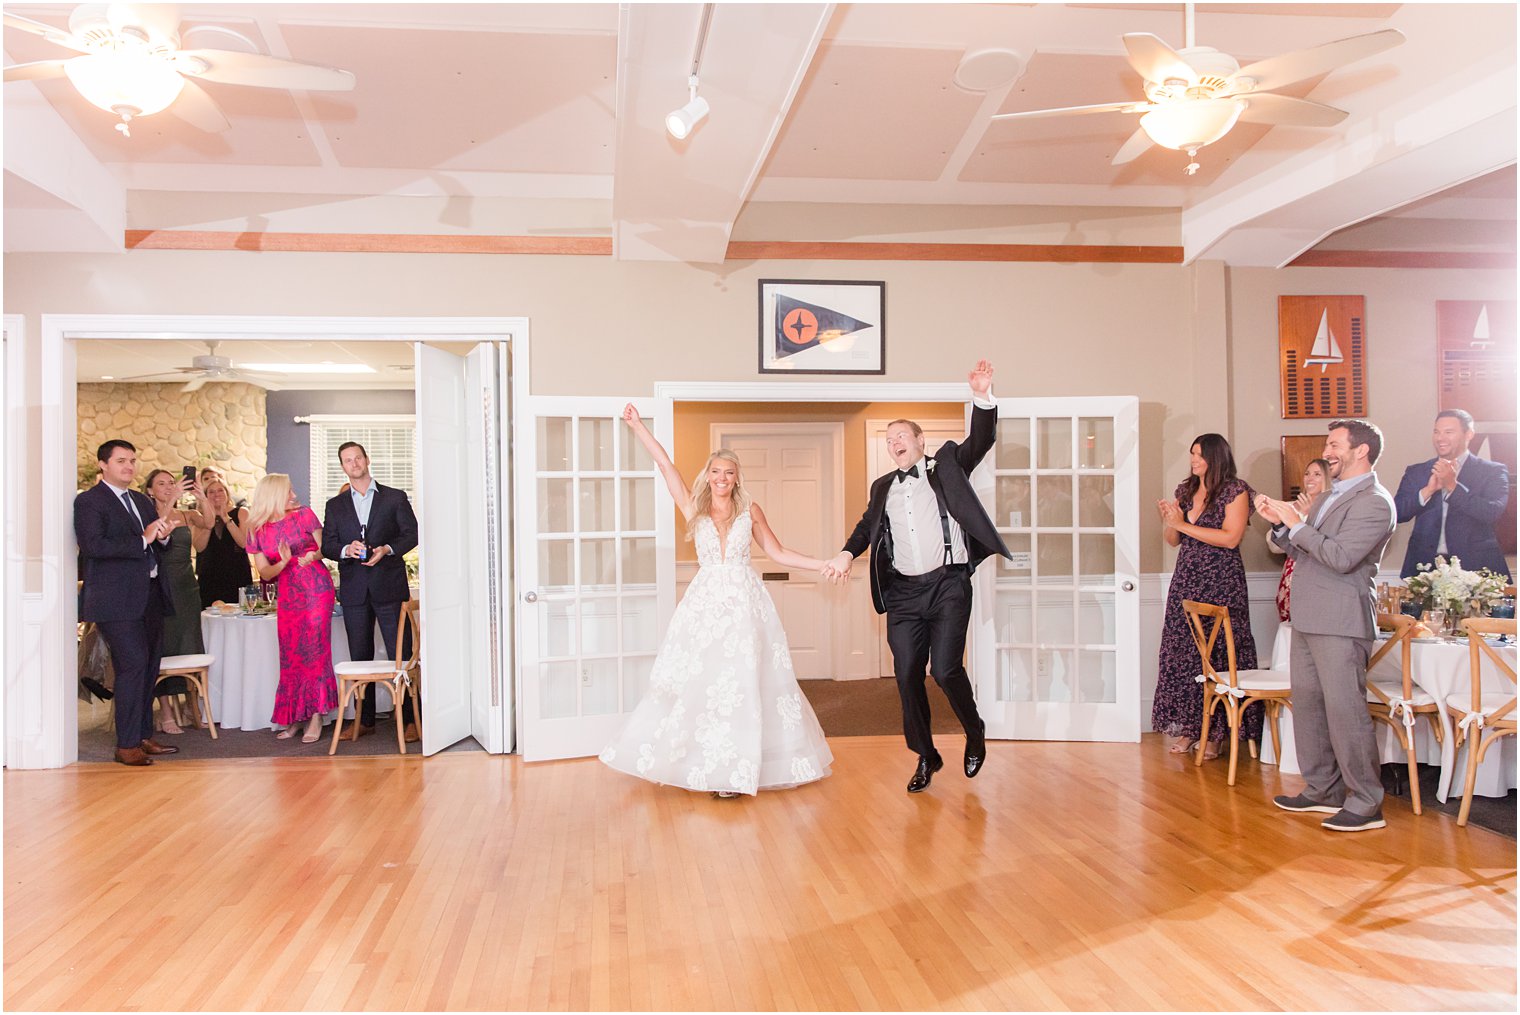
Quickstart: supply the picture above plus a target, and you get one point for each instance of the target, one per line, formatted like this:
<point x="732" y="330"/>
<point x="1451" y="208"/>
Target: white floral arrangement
<point x="1445" y="585"/>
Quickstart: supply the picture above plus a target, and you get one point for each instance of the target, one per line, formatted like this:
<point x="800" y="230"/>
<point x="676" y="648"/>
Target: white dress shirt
<point x="912" y="509"/>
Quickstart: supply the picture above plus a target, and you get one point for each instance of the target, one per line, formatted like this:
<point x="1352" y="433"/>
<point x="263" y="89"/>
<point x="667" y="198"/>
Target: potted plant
<point x="1446" y="586"/>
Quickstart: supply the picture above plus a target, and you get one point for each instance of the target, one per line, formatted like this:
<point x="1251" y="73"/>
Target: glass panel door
<point x="1056" y="628"/>
<point x="589" y="605"/>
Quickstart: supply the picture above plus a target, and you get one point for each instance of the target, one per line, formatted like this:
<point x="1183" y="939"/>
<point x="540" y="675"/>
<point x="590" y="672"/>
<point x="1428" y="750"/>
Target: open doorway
<point x="811" y="465"/>
<point x="468" y="398"/>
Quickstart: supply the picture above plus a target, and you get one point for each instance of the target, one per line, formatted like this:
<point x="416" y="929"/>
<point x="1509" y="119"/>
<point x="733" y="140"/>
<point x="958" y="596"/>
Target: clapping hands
<point x="1171" y="514"/>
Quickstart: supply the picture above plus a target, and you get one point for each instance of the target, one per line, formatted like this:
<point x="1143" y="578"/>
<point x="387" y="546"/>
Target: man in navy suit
<point x="927" y="532"/>
<point x="120" y="534"/>
<point x="367" y="529"/>
<point x="1454" y="499"/>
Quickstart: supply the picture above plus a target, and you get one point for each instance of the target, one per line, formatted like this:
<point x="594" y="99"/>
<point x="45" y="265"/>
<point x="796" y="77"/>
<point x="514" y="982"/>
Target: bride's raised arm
<point x="673" y="482"/>
<point x="773" y="548"/>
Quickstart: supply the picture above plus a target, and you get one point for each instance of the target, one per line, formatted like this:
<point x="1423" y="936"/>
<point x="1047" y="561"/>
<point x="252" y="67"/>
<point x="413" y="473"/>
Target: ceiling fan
<point x="209" y="367"/>
<point x="132" y="64"/>
<point x="1193" y="96"/>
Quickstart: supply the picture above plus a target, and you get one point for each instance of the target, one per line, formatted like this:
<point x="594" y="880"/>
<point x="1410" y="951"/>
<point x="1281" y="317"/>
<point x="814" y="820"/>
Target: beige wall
<point x="221" y="425"/>
<point x="1401" y="367"/>
<point x="1194" y="344"/>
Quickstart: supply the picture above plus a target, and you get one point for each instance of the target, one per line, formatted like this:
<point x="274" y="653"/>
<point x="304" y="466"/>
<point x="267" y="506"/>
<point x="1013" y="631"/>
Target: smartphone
<point x="189" y="473"/>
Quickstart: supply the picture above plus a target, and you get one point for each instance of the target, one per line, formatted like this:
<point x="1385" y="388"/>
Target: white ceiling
<point x="118" y="360"/>
<point x="811" y="104"/>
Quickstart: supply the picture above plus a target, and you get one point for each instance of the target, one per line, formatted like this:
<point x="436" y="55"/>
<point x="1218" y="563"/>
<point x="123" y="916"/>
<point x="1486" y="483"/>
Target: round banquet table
<point x="246" y="670"/>
<point x="1440" y="668"/>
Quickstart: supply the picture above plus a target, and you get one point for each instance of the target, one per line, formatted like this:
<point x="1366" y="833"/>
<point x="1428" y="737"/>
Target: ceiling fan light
<point x="1192" y="124"/>
<point x="125" y="81"/>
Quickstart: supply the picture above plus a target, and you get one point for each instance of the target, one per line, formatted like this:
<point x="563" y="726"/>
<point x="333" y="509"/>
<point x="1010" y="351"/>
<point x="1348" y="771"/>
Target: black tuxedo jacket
<point x="392" y="523"/>
<point x="950" y="480"/>
<point x="112" y="562"/>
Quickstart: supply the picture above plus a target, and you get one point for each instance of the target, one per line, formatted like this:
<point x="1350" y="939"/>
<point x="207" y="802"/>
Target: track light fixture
<point x="683" y="121"/>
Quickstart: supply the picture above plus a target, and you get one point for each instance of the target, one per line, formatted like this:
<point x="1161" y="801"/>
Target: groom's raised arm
<point x="983" y="432"/>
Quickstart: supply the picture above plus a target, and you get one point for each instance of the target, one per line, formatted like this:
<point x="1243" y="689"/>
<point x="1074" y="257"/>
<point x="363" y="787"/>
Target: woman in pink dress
<point x="284" y="540"/>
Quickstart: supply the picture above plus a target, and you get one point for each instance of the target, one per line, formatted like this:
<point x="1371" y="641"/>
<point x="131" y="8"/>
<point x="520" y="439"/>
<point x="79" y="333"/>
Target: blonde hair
<point x="269" y="499"/>
<point x="701" y="493"/>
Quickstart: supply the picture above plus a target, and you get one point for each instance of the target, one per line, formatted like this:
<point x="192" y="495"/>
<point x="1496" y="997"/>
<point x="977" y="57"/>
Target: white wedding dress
<point x="723" y="711"/>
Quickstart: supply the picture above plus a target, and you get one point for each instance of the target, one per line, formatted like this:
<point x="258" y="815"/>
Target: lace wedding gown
<point x="723" y="711"/>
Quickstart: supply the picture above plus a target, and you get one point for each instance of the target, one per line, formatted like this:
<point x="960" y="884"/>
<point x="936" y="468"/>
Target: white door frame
<point x="20" y="713"/>
<point x="55" y="742"/>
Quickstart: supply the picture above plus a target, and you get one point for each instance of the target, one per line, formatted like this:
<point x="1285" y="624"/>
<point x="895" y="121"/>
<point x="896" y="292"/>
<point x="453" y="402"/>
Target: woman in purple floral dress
<point x="1206" y="523"/>
<point x="284" y="540"/>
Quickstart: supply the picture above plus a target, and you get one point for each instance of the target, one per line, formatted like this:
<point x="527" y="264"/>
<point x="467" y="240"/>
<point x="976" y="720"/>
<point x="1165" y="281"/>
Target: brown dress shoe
<point x="356" y="731"/>
<point x="411" y="734"/>
<point x="150" y="747"/>
<point x="133" y="756"/>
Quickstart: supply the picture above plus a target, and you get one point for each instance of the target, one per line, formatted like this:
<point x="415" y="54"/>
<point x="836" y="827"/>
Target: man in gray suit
<point x="1336" y="550"/>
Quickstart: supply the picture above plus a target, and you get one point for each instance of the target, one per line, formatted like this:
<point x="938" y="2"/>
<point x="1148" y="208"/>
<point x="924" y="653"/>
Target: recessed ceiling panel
<point x="485" y="101"/>
<point x="874" y="112"/>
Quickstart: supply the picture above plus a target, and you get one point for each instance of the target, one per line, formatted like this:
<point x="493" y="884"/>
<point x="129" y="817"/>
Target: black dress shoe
<point x="925" y="772"/>
<point x="96" y="688"/>
<point x="976" y="753"/>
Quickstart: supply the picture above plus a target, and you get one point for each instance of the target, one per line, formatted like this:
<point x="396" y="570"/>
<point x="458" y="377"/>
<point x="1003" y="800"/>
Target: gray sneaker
<point x="1302" y="803"/>
<point x="1345" y="821"/>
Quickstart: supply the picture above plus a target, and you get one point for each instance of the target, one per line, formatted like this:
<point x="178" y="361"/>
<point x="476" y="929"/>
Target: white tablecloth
<point x="247" y="668"/>
<point x="1440" y="668"/>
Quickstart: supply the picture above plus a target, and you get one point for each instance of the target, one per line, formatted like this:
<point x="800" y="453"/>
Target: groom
<point x="927" y="532"/>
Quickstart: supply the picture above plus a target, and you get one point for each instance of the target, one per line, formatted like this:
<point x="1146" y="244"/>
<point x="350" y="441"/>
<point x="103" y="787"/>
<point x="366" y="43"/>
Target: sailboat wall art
<point x="1322" y="356"/>
<point x="1476" y="339"/>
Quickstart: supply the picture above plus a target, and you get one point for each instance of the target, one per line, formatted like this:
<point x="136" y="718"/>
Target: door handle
<point x="775" y="576"/>
<point x="530" y="597"/>
<point x="1127" y="587"/>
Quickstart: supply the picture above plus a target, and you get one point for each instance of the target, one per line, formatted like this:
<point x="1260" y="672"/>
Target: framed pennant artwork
<point x="809" y="327"/>
<point x="1322" y="356"/>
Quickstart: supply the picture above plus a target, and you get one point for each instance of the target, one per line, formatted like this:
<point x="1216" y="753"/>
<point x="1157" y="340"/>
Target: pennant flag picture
<point x="822" y="327"/>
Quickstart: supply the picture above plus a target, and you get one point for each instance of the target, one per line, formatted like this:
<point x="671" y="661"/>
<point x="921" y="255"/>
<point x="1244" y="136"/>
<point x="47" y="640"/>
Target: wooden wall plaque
<point x="1476" y="343"/>
<point x="1297" y="452"/>
<point x="1322" y="356"/>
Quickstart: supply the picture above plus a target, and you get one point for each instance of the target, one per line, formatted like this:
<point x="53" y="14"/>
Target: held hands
<point x="980" y="378"/>
<point x="838" y="569"/>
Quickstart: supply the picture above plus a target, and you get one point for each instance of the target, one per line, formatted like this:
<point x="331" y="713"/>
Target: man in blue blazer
<point x="120" y="535"/>
<point x="366" y="529"/>
<point x="1454" y="499"/>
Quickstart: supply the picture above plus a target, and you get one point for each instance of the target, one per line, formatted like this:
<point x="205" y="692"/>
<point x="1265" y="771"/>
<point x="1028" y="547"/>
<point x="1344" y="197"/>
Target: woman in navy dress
<point x="1206" y="523"/>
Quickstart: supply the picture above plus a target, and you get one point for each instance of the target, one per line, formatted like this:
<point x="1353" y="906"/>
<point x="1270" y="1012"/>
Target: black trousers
<point x="926" y="623"/>
<point x="136" y="647"/>
<point x="359" y="621"/>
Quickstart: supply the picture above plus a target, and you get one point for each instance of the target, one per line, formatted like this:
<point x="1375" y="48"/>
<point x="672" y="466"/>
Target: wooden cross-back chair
<point x="1399" y="704"/>
<point x="1477" y="711"/>
<point x="1236" y="689"/>
<point x="400" y="674"/>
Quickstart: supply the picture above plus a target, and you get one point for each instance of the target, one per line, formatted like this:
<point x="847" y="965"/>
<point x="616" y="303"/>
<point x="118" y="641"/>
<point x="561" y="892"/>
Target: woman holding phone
<point x="182" y="629"/>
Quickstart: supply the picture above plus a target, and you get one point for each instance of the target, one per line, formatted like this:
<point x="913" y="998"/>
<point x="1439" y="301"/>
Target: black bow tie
<point x="903" y="474"/>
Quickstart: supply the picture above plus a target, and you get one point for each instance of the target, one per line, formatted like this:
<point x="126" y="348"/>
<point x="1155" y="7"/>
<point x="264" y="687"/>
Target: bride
<point x="723" y="712"/>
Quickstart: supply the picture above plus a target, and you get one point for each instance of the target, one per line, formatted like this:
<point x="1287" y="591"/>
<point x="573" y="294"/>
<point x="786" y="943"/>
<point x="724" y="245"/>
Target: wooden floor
<point x="1064" y="876"/>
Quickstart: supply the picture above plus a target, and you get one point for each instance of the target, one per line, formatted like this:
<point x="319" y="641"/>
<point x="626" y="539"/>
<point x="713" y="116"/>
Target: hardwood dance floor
<point x="1064" y="876"/>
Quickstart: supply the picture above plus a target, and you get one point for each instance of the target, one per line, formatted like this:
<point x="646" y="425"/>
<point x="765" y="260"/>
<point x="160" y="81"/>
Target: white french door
<point x="1056" y="630"/>
<point x="591" y="551"/>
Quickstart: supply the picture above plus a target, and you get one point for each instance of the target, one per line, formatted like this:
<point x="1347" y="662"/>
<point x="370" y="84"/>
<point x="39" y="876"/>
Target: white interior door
<point x="488" y="408"/>
<point x="792" y="470"/>
<point x="588" y="519"/>
<point x="450" y="490"/>
<point x="1056" y="630"/>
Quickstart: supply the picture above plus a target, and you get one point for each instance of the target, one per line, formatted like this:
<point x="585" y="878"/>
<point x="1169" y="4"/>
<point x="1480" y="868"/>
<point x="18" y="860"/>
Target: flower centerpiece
<point x="1444" y="585"/>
